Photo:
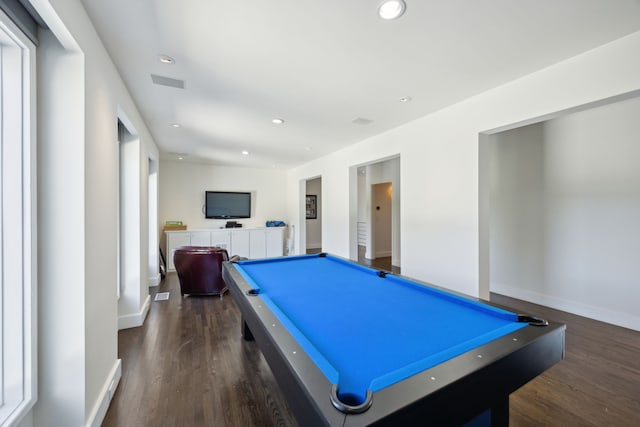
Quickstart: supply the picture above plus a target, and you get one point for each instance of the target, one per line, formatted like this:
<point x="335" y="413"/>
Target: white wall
<point x="154" y="237"/>
<point x="363" y="201"/>
<point x="440" y="163"/>
<point x="183" y="184"/>
<point x="61" y="250"/>
<point x="568" y="234"/>
<point x="314" y="226"/>
<point x="593" y="212"/>
<point x="134" y="299"/>
<point x="79" y="94"/>
<point x="517" y="239"/>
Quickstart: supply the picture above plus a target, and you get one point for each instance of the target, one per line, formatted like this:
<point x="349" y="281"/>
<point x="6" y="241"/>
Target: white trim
<point x="137" y="319"/>
<point x="108" y="389"/>
<point x="625" y="320"/>
<point x="18" y="220"/>
<point x="155" y="280"/>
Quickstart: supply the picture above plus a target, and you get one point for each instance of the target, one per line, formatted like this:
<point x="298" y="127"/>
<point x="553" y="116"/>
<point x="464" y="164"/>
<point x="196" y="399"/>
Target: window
<point x="17" y="224"/>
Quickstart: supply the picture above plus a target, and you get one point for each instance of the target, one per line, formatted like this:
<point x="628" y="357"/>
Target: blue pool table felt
<point x="368" y="332"/>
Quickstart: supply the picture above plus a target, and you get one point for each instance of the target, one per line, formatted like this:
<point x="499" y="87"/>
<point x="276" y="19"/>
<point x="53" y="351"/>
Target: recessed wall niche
<point x="563" y="204"/>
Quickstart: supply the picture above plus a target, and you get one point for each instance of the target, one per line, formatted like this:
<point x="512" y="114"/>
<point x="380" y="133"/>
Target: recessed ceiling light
<point x="391" y="9"/>
<point x="175" y="125"/>
<point x="165" y="59"/>
<point x="405" y="99"/>
<point x="179" y="156"/>
<point x="245" y="153"/>
<point x="278" y="121"/>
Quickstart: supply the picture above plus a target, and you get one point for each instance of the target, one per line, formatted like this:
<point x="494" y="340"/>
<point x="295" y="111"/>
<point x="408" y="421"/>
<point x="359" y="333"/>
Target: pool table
<point x="351" y="346"/>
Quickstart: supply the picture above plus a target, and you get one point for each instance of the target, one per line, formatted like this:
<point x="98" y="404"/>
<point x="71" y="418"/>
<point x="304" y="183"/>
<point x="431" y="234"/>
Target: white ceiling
<point x="321" y="64"/>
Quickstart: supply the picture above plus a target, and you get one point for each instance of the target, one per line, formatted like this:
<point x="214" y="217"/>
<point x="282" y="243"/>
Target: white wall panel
<point x="183" y="184"/>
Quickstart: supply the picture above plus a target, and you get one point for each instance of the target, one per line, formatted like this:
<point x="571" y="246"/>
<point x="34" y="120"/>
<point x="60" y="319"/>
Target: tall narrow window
<point x="17" y="224"/>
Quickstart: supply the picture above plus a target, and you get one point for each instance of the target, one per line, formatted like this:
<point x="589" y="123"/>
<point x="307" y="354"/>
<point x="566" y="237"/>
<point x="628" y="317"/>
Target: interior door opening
<point x="313" y="215"/>
<point x="375" y="212"/>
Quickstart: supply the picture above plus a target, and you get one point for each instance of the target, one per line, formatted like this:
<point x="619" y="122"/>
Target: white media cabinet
<point x="261" y="242"/>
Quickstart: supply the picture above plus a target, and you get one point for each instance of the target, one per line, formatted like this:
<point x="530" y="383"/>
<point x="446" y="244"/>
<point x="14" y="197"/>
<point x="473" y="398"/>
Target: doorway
<point x="313" y="215"/>
<point x="376" y="214"/>
<point x="154" y="248"/>
<point x="381" y="214"/>
<point x="132" y="301"/>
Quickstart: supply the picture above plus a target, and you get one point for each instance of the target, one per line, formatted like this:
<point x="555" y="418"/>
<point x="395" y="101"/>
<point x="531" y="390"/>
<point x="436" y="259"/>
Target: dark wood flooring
<point x="598" y="383"/>
<point x="383" y="263"/>
<point x="188" y="366"/>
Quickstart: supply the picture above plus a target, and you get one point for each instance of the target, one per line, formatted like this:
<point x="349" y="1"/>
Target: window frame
<point x="18" y="224"/>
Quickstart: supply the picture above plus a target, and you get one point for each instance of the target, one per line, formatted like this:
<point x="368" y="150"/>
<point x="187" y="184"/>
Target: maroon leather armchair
<point x="200" y="270"/>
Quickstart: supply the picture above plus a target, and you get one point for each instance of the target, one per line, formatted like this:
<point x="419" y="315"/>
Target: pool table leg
<point x="245" y="331"/>
<point x="500" y="413"/>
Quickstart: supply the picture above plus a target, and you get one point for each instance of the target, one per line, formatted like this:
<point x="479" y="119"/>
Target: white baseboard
<point x="155" y="280"/>
<point x="383" y="254"/>
<point x="106" y="394"/>
<point x="624" y="320"/>
<point x="137" y="319"/>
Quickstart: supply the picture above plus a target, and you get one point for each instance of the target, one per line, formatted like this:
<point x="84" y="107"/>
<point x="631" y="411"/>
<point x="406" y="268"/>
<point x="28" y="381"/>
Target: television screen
<point x="227" y="204"/>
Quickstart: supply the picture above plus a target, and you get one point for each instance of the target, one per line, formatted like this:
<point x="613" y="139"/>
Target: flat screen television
<point x="227" y="204"/>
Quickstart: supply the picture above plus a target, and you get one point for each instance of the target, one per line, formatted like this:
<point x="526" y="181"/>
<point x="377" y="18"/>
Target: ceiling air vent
<point x="361" y="121"/>
<point x="167" y="81"/>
